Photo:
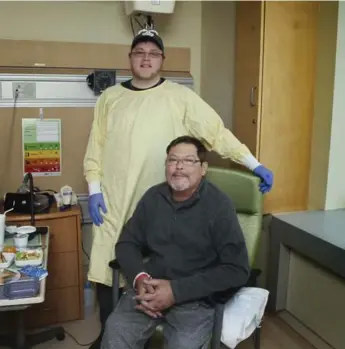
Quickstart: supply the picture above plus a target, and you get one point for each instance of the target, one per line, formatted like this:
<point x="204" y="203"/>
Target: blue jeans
<point x="187" y="326"/>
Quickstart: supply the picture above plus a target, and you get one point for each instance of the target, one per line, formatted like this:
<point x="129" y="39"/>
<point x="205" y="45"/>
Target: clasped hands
<point x="154" y="296"/>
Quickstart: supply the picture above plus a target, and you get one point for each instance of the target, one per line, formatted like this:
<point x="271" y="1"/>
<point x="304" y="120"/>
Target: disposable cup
<point x="21" y="240"/>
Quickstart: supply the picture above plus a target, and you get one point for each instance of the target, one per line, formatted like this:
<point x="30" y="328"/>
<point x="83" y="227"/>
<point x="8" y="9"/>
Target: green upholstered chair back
<point x="242" y="188"/>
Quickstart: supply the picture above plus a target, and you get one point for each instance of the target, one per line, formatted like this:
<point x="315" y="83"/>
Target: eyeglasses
<point x="185" y="162"/>
<point x="151" y="54"/>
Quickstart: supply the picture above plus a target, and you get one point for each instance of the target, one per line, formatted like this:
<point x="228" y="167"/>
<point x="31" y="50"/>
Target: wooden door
<point x="288" y="100"/>
<point x="247" y="92"/>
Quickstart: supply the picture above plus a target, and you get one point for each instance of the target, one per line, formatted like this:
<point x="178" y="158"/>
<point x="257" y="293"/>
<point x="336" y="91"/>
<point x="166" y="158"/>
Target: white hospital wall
<point x="99" y="22"/>
<point x="323" y="104"/>
<point x="335" y="197"/>
<point x="218" y="62"/>
<point x="327" y="188"/>
<point x="218" y="56"/>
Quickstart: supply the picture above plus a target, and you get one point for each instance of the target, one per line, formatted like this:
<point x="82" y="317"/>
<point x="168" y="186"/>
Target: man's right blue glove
<point x="96" y="201"/>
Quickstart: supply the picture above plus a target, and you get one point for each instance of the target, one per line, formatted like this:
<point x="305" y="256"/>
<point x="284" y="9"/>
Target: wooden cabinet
<point x="274" y="93"/>
<point x="64" y="288"/>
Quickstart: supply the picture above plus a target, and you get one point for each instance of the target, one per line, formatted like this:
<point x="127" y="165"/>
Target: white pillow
<point x="243" y="314"/>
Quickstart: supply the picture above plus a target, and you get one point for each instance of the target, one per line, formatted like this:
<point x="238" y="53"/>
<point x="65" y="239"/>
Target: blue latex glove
<point x="266" y="178"/>
<point x="96" y="201"/>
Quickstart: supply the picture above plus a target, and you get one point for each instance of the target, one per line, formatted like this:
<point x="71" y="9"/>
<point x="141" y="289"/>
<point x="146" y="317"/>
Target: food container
<point x="6" y="259"/>
<point x="7" y="275"/>
<point x="11" y="229"/>
<point x="21" y="240"/>
<point x="26" y="229"/>
<point x="9" y="249"/>
<point x="29" y="257"/>
<point x="23" y="288"/>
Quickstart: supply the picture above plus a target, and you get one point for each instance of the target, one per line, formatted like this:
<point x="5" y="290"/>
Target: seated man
<point x="190" y="233"/>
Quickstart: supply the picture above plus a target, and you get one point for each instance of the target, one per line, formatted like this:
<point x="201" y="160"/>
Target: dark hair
<point x="200" y="148"/>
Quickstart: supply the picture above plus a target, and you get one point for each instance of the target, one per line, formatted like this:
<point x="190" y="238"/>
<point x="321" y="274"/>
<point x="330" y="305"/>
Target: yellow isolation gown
<point x="127" y="149"/>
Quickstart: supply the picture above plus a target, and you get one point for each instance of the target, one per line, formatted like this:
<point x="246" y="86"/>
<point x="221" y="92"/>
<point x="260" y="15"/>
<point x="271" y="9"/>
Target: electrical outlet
<point x="24" y="89"/>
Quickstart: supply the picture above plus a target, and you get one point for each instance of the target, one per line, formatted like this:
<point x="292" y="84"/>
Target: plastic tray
<point x="23" y="288"/>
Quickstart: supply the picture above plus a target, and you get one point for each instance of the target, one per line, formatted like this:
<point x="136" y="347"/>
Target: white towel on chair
<point x="243" y="314"/>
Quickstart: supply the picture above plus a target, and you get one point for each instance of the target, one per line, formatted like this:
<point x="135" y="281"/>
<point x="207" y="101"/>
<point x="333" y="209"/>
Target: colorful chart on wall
<point x="41" y="147"/>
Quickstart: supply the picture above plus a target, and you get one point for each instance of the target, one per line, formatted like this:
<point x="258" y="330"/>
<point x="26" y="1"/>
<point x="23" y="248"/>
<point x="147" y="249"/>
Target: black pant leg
<point x="105" y="302"/>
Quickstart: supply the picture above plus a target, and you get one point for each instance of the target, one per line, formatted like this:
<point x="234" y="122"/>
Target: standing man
<point x="133" y="123"/>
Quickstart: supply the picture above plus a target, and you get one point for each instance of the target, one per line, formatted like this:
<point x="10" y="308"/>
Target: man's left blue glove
<point x="96" y="202"/>
<point x="266" y="178"/>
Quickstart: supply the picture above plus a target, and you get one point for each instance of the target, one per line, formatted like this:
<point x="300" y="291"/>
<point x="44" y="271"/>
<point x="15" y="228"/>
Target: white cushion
<point x="243" y="314"/>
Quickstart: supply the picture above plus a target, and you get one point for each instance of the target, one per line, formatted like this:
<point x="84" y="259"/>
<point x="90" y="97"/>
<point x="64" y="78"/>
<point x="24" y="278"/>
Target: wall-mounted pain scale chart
<point x="41" y="141"/>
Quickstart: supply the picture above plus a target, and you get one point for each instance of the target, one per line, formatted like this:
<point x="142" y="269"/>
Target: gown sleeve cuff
<point x="94" y="187"/>
<point x="250" y="162"/>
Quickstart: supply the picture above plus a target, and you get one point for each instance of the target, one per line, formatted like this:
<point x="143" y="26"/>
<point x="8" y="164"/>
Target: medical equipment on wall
<point x="99" y="80"/>
<point x="147" y="7"/>
<point x="138" y="8"/>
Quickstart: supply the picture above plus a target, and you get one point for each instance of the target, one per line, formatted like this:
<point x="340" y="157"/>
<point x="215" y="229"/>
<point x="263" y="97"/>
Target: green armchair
<point x="243" y="189"/>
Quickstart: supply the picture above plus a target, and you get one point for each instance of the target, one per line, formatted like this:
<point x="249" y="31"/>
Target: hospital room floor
<point x="275" y="335"/>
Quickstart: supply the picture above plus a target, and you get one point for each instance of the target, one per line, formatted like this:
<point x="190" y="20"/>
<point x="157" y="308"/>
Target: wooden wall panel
<point x="75" y="55"/>
<point x="81" y="71"/>
<point x="75" y="124"/>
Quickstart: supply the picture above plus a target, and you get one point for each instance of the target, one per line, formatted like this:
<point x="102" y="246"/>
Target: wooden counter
<point x="64" y="292"/>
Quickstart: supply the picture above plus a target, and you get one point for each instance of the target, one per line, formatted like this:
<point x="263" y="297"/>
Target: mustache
<point x="179" y="174"/>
